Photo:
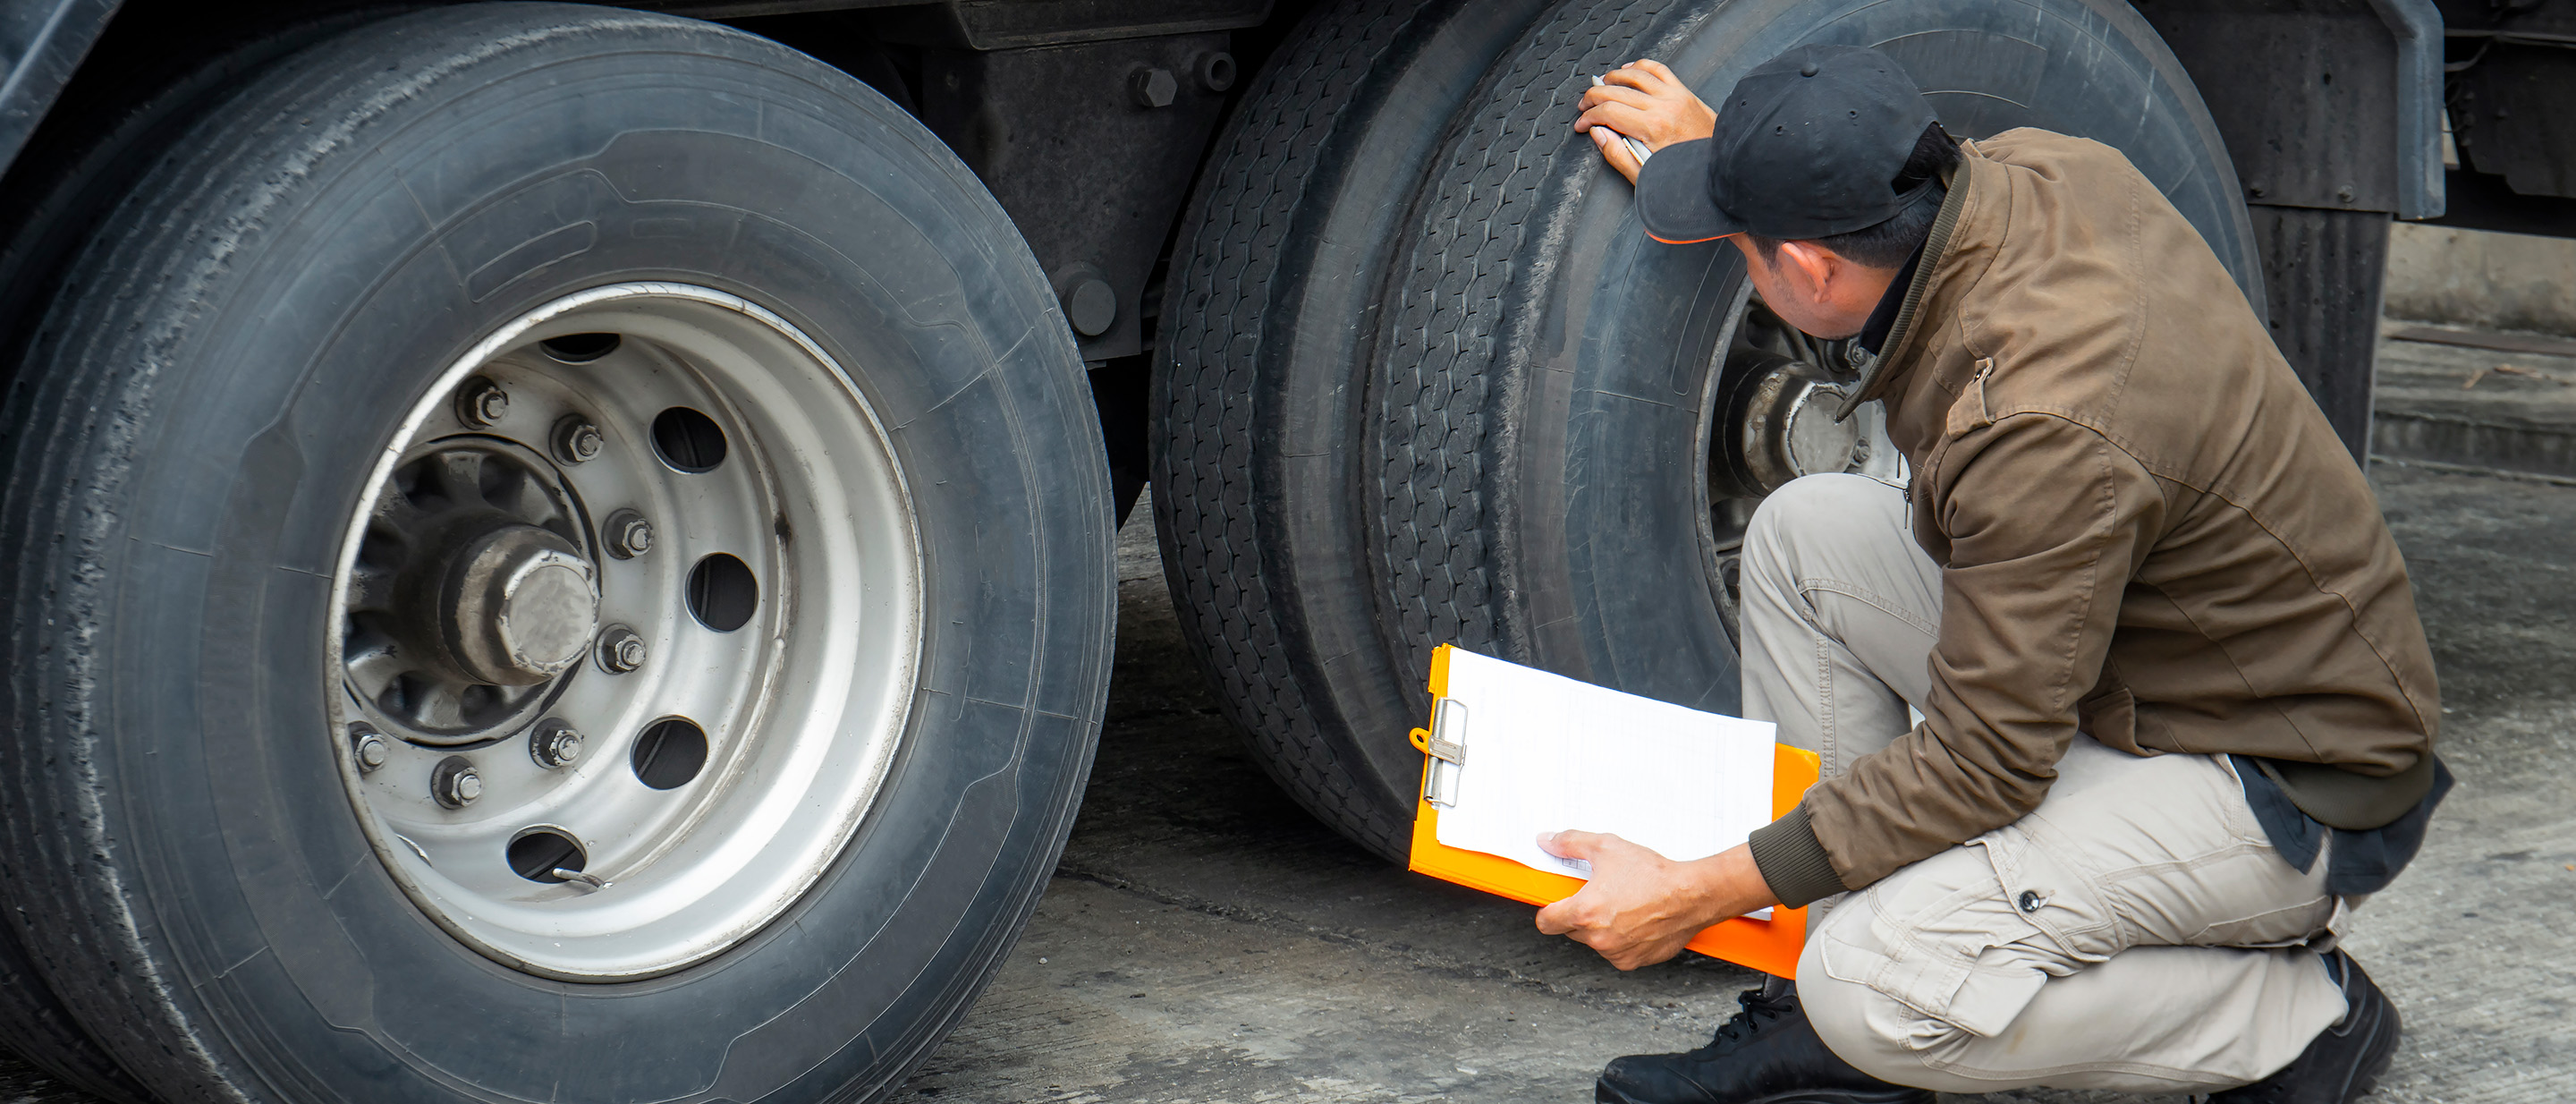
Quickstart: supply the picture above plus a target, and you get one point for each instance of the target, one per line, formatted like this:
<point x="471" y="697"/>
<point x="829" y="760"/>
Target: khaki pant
<point x="2135" y="933"/>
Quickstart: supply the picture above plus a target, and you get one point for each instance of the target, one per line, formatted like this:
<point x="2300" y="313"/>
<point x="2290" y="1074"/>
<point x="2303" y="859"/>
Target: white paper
<point x="1546" y="753"/>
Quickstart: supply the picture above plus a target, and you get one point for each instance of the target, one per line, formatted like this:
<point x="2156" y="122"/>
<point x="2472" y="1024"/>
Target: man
<point x="2178" y="712"/>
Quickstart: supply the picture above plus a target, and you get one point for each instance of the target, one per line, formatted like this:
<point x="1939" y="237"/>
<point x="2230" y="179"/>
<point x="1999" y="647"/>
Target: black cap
<point x="1806" y="147"/>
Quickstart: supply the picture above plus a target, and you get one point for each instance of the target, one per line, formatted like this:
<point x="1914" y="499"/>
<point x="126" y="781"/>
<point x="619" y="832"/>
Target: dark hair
<point x="1889" y="243"/>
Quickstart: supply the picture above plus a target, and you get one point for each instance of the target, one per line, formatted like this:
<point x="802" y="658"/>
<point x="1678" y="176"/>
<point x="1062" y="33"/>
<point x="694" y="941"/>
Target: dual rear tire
<point x="1428" y="382"/>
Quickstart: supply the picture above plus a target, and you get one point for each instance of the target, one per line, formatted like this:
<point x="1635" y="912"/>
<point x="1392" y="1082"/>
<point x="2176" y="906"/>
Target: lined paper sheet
<point x="1547" y="753"/>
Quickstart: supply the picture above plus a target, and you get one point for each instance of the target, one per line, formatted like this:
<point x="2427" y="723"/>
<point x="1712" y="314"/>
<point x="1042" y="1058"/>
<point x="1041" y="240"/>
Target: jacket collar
<point x="1879" y="375"/>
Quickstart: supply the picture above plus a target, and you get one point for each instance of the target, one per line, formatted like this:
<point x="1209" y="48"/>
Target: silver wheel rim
<point x="1786" y="431"/>
<point x="464" y="644"/>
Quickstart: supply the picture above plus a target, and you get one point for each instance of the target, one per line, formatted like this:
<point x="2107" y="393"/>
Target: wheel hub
<point x="1773" y="407"/>
<point x="519" y="607"/>
<point x="626" y="632"/>
<point x="1777" y="423"/>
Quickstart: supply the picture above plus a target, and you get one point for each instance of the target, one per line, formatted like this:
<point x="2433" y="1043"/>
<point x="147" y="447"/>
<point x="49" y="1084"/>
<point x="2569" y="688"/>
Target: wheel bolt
<point x="371" y="750"/>
<point x="620" y="650"/>
<point x="482" y="404"/>
<point x="577" y="441"/>
<point x="554" y="744"/>
<point x="627" y="534"/>
<point x="1153" y="87"/>
<point x="455" y="782"/>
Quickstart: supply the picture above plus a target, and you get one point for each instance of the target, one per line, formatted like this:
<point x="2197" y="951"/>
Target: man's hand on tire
<point x="1639" y="907"/>
<point x="1644" y="101"/>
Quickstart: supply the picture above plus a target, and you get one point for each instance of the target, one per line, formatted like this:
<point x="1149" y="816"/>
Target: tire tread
<point x="1231" y="264"/>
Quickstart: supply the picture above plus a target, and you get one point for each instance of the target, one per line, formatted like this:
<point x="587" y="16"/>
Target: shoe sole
<point x="1605" y="1094"/>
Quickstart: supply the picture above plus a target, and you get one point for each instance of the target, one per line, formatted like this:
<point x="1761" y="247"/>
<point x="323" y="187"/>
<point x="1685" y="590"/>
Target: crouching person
<point x="2177" y="712"/>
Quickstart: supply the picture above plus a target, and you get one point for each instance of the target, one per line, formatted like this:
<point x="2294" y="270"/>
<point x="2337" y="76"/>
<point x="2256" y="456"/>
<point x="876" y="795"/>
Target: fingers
<point x="1635" y="75"/>
<point x="1572" y="844"/>
<point x="1599" y="94"/>
<point x="1616" y="153"/>
<point x="1621" y="117"/>
<point x="1558" y="919"/>
<point x="1571" y="918"/>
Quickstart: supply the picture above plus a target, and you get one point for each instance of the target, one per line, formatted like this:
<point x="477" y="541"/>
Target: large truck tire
<point x="560" y="554"/>
<point x="1273" y="301"/>
<point x="1543" y="466"/>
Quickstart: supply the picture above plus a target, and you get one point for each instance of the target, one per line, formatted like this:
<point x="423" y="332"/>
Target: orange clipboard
<point x="1770" y="946"/>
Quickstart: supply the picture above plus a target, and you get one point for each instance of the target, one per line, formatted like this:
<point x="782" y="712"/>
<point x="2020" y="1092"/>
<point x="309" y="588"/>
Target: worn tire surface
<point x="196" y="422"/>
<point x="86" y="156"/>
<point x="1529" y="463"/>
<point x="1255" y="423"/>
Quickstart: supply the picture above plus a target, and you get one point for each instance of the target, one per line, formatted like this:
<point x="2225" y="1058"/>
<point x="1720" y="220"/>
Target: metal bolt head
<point x="369" y="748"/>
<point x="577" y="440"/>
<point x="1091" y="306"/>
<point x="1154" y="87"/>
<point x="482" y="404"/>
<point x="455" y="783"/>
<point x="620" y="650"/>
<point x="627" y="534"/>
<point x="2344" y="193"/>
<point x="554" y="744"/>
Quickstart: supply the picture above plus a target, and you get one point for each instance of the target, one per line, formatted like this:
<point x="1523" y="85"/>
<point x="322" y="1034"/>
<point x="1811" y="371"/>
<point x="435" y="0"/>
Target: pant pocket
<point x="2042" y="884"/>
<point x="1938" y="938"/>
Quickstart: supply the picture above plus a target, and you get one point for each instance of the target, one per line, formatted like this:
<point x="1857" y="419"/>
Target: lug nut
<point x="627" y="534"/>
<point x="482" y="404"/>
<point x="554" y="744"/>
<point x="620" y="650"/>
<point x="577" y="441"/>
<point x="370" y="750"/>
<point x="455" y="782"/>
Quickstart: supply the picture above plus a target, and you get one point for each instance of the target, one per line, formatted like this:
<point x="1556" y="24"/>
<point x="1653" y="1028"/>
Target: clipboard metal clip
<point x="1448" y="752"/>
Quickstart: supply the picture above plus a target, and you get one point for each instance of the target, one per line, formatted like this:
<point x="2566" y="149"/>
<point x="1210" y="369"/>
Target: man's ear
<point x="1810" y="268"/>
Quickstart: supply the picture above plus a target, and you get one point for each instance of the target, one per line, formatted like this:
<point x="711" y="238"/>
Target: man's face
<point x="1815" y="289"/>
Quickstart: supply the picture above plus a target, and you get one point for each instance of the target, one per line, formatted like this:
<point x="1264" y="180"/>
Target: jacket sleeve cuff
<point x="1793" y="861"/>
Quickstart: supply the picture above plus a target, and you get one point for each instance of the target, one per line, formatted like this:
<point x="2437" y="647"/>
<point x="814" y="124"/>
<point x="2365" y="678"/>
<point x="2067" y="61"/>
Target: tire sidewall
<point x="345" y="291"/>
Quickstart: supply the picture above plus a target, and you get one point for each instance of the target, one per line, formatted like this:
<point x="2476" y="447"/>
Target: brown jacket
<point x="2147" y="530"/>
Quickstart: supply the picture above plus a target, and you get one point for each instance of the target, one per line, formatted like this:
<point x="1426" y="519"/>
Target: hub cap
<point x="521" y="607"/>
<point x="626" y="632"/>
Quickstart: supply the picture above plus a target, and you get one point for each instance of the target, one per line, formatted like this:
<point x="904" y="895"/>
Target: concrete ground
<point x="1205" y="941"/>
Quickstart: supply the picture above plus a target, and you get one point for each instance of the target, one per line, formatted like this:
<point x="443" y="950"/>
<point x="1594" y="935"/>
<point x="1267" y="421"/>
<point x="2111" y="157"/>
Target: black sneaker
<point x="2345" y="1061"/>
<point x="1765" y="1054"/>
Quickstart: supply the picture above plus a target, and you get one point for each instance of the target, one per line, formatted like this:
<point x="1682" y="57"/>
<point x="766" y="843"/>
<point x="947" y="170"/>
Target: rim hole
<point x="579" y="348"/>
<point x="670" y="753"/>
<point x="688" y="440"/>
<point x="538" y="852"/>
<point x="723" y="592"/>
